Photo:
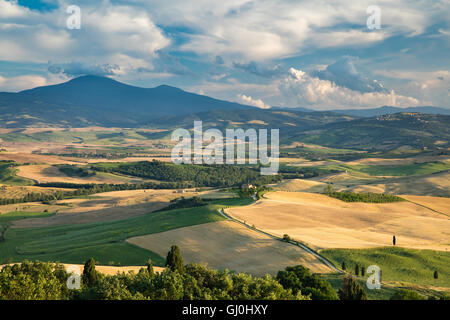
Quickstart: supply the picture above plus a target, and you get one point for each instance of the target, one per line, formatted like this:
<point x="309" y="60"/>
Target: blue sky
<point x="315" y="54"/>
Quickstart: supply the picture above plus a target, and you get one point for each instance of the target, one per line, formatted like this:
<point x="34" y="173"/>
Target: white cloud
<point x="114" y="34"/>
<point x="268" y="29"/>
<point x="252" y="102"/>
<point x="301" y="89"/>
<point x="21" y="82"/>
<point x="11" y="9"/>
<point x="430" y="87"/>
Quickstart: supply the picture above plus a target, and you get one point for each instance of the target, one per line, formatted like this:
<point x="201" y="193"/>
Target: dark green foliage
<point x="356" y="270"/>
<point x="174" y="260"/>
<point x="343" y="265"/>
<point x="197" y="176"/>
<point x="394" y="240"/>
<point x="352" y="290"/>
<point x="33" y="281"/>
<point x="36" y="197"/>
<point x="74" y="171"/>
<point x="369" y="197"/>
<point x="186" y="203"/>
<point x="48" y="281"/>
<point x="291" y="172"/>
<point x="363" y="271"/>
<point x="196" y="283"/>
<point x="300" y="280"/>
<point x="90" y="275"/>
<point x="404" y="294"/>
<point x="286" y="238"/>
<point x="435" y="274"/>
<point x="445" y="297"/>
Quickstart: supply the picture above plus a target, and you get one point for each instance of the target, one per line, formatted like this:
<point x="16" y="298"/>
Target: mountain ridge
<point x="80" y="101"/>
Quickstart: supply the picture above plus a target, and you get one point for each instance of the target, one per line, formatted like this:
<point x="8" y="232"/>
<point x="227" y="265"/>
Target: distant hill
<point x="93" y="100"/>
<point x="373" y="112"/>
<point x="286" y="121"/>
<point x="386" y="132"/>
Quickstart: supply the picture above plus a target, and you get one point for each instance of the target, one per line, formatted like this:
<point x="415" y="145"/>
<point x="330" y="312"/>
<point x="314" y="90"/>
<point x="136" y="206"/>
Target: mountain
<point x="93" y="100"/>
<point x="391" y="110"/>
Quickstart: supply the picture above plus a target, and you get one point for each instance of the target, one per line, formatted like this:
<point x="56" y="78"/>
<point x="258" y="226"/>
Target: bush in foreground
<point x="299" y="279"/>
<point x="404" y="294"/>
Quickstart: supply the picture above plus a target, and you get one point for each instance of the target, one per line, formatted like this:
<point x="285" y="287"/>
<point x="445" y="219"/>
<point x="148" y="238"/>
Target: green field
<point x="18" y="215"/>
<point x="8" y="176"/>
<point x="398" y="264"/>
<point x="104" y="241"/>
<point x="336" y="280"/>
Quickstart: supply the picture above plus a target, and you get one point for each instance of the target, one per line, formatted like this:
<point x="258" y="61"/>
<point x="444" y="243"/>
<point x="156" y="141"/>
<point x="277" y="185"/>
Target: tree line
<point x="48" y="281"/>
<point x="369" y="197"/>
<point x="198" y="175"/>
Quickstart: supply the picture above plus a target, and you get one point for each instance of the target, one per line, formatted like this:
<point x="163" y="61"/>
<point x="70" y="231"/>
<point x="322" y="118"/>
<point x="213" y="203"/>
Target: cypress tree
<point x="150" y="270"/>
<point x="363" y="271"/>
<point x="352" y="290"/>
<point x="436" y="275"/>
<point x="174" y="259"/>
<point x="89" y="273"/>
<point x="343" y="265"/>
<point x="357" y="270"/>
<point x="394" y="240"/>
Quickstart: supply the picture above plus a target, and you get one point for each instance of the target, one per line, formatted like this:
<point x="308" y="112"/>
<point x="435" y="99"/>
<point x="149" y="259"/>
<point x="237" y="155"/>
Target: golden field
<point x="229" y="245"/>
<point x="324" y="222"/>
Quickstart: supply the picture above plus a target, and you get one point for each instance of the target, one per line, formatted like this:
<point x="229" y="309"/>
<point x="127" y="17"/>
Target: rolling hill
<point x="388" y="132"/>
<point x="373" y="112"/>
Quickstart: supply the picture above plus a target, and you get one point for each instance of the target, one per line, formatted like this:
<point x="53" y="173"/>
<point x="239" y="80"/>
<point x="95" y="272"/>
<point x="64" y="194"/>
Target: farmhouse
<point x="247" y="186"/>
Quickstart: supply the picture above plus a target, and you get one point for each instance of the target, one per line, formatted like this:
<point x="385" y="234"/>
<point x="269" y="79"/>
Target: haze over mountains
<point x="99" y="101"/>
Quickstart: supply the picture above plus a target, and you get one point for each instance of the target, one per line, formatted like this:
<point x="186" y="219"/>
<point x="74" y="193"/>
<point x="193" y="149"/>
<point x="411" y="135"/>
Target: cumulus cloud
<point x="11" y="9"/>
<point x="430" y="87"/>
<point x="343" y="73"/>
<point x="118" y="34"/>
<point x="80" y="68"/>
<point x="302" y="89"/>
<point x="252" y="102"/>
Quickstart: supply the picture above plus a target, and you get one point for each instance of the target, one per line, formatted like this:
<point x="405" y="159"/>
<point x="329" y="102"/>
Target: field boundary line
<point x="298" y="244"/>
<point x="424" y="206"/>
